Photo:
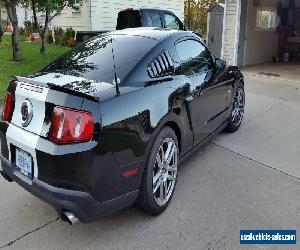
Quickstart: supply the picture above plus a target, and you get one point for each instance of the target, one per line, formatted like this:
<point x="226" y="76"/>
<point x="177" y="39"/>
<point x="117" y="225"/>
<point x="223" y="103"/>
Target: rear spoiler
<point x="56" y="87"/>
<point x="72" y="92"/>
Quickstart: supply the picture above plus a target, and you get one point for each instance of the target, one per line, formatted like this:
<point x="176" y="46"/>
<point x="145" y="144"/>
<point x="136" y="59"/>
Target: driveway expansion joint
<point x="266" y="112"/>
<point x="29" y="233"/>
<point x="258" y="162"/>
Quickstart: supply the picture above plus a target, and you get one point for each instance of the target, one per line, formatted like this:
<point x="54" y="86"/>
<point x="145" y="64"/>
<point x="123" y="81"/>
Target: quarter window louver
<point x="161" y="65"/>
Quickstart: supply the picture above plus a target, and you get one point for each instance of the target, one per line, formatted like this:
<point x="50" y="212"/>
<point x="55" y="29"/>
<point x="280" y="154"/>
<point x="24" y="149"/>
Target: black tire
<point x="235" y="122"/>
<point x="147" y="199"/>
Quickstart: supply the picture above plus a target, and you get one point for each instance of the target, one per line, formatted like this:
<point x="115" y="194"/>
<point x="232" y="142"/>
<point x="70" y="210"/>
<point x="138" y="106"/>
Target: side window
<point x="194" y="57"/>
<point x="171" y="22"/>
<point x="152" y="19"/>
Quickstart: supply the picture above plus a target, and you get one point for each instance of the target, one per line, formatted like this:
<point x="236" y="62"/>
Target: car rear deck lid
<point x="73" y="85"/>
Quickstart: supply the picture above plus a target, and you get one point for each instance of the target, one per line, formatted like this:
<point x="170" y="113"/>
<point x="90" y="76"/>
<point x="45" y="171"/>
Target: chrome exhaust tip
<point x="69" y="217"/>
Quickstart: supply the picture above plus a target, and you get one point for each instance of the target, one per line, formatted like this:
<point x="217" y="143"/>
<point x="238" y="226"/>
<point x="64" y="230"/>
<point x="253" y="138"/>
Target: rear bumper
<point x="82" y="204"/>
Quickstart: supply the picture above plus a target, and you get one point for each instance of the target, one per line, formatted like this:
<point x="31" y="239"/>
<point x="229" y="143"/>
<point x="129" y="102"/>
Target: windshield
<point x="93" y="60"/>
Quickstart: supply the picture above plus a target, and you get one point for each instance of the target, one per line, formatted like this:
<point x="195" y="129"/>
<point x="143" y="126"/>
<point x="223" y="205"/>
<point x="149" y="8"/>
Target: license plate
<point x="24" y="163"/>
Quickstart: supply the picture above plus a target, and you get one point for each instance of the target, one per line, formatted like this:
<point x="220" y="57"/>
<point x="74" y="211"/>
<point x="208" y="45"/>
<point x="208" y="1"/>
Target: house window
<point x="266" y="18"/>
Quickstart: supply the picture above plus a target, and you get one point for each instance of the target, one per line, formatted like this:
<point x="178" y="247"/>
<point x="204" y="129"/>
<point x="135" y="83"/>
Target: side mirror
<point x="220" y="64"/>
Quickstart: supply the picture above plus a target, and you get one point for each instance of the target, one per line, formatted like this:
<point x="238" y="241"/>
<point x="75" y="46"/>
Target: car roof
<point x="150" y="32"/>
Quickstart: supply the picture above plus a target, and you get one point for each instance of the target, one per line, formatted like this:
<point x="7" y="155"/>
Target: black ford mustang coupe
<point x="106" y="125"/>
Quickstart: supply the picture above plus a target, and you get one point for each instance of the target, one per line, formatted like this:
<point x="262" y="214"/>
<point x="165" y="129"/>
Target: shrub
<point x="70" y="33"/>
<point x="49" y="37"/>
<point x="32" y="38"/>
<point x="22" y="31"/>
<point x="65" y="38"/>
<point x="62" y="40"/>
<point x="71" y="42"/>
<point x="59" y="33"/>
<point x="29" y="27"/>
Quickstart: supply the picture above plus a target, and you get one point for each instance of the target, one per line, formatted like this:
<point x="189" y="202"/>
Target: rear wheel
<point x="160" y="174"/>
<point x="238" y="109"/>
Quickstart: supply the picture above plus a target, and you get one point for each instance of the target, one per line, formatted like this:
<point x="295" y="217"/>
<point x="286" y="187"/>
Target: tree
<point x="11" y="9"/>
<point x="195" y="14"/>
<point x="50" y="9"/>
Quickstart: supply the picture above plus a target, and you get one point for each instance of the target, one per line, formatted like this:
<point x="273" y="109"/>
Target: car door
<point x="209" y="94"/>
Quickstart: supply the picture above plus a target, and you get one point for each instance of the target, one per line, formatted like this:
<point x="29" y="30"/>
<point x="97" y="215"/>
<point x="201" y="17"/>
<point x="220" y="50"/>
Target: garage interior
<point x="269" y="41"/>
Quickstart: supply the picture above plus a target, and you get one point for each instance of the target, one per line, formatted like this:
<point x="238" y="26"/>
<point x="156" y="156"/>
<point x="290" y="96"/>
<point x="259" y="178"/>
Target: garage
<point x="263" y="36"/>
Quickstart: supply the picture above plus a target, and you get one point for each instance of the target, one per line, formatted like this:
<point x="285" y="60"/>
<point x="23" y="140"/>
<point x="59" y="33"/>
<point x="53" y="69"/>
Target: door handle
<point x="198" y="91"/>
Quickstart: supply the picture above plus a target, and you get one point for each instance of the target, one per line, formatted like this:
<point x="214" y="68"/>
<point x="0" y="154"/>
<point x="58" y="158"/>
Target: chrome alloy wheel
<point x="165" y="171"/>
<point x="238" y="107"/>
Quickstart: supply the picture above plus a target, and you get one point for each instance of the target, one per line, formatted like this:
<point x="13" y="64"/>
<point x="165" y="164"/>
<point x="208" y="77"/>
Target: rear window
<point x="93" y="60"/>
<point x="151" y="19"/>
<point x="129" y="19"/>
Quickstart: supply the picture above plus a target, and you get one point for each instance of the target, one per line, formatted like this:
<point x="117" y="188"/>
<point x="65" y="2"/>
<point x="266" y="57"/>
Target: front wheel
<point x="238" y="109"/>
<point x="160" y="175"/>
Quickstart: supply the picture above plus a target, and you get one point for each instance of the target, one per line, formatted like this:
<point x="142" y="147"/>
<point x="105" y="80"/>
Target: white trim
<point x="207" y="30"/>
<point x="237" y="32"/>
<point x="224" y="29"/>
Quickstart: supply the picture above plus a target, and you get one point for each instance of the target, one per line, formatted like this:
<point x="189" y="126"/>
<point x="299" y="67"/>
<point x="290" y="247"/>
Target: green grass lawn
<point x="32" y="63"/>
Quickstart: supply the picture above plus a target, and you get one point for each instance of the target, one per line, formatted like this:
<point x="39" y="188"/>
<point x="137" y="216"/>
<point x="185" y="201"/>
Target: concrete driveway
<point x="246" y="180"/>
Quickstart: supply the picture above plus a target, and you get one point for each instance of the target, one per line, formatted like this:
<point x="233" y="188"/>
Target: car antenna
<point x="116" y="78"/>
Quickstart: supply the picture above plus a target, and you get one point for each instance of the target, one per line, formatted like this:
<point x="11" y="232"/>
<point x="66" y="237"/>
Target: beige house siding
<point x="101" y="15"/>
<point x="231" y="16"/>
<point x="176" y="6"/>
<point x="78" y="20"/>
<point x="104" y="13"/>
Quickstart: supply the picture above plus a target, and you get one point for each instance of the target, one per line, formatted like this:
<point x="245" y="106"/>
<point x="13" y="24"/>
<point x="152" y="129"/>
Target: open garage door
<point x="269" y="38"/>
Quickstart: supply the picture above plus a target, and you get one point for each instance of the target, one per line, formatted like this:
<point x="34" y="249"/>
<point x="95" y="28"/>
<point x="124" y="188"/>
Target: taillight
<point x="70" y="126"/>
<point x="7" y="107"/>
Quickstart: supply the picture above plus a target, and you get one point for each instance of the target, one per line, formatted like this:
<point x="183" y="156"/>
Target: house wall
<point x="176" y="6"/>
<point x="104" y="13"/>
<point x="21" y="12"/>
<point x="78" y="20"/>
